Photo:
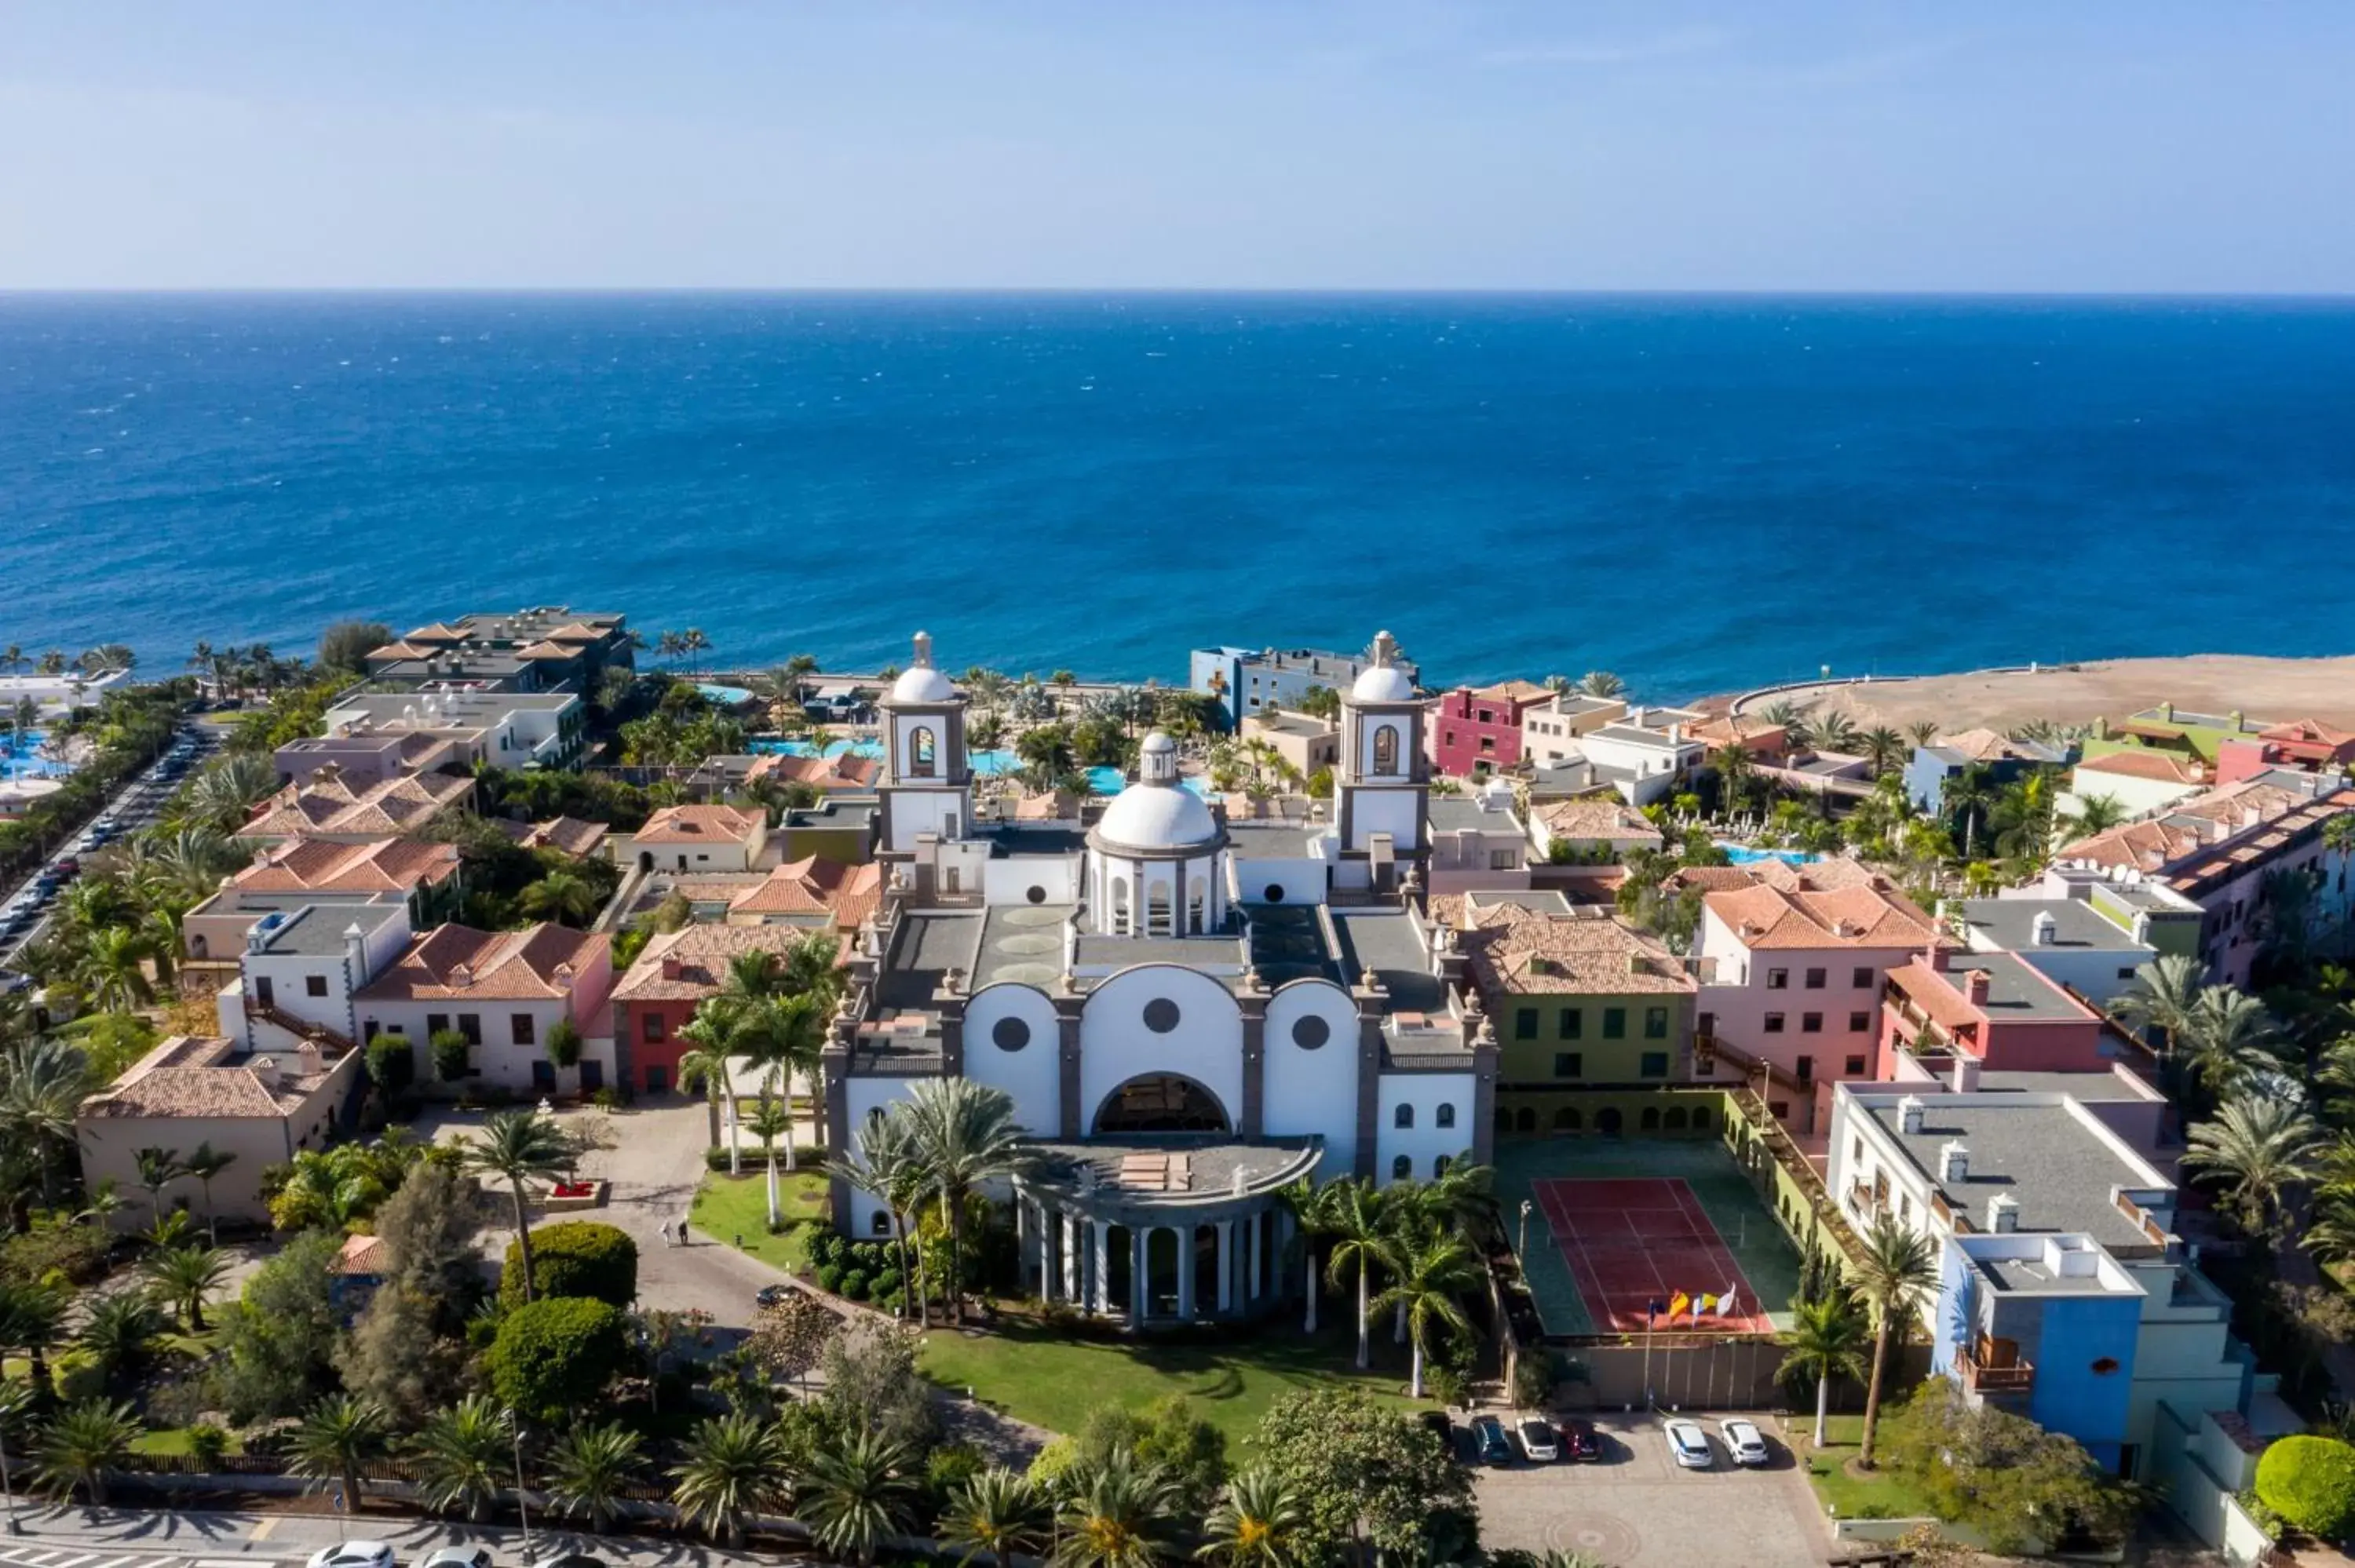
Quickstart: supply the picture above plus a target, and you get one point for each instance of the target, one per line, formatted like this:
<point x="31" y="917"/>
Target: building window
<point x="435" y="1024"/>
<point x="1778" y="980"/>
<point x="1438" y="1167"/>
<point x="1656" y="1023"/>
<point x="2125" y="974"/>
<point x="1856" y="1151"/>
<point x="1779" y="1109"/>
<point x="1655" y="1064"/>
<point x="1386" y="742"/>
<point x="1860" y="978"/>
<point x="1403" y="1168"/>
<point x="524" y="1028"/>
<point x="1573" y="1022"/>
<point x="1402" y="1116"/>
<point x="2106" y="1366"/>
<point x="1814" y="980"/>
<point x="314" y="985"/>
<point x="1569" y="1063"/>
<point x="882" y="1223"/>
<point x="1525" y="1121"/>
<point x="1443" y="1116"/>
<point x="1504" y="859"/>
<point x="1774" y="1023"/>
<point x="1615" y="1024"/>
<point x="1806" y="1068"/>
<point x="1811" y="1023"/>
<point x="1310" y="1032"/>
<point x="920" y="752"/>
<point x="1566" y="1119"/>
<point x="1857" y="1023"/>
<point x="1010" y="1033"/>
<point x="1525" y="1024"/>
<point x="1161" y="1015"/>
<point x="470" y="1024"/>
<point x="650" y="1027"/>
<point x="1856" y="1066"/>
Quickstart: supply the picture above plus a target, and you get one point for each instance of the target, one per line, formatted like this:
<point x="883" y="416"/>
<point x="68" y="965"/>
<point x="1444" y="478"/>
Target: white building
<point x="1183" y="1019"/>
<point x="1643" y="756"/>
<point x="2067" y="941"/>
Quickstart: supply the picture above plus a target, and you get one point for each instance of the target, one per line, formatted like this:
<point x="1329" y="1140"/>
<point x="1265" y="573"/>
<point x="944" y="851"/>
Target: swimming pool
<point x="1743" y="855"/>
<point x="20" y="760"/>
<point x="727" y="696"/>
<point x="1106" y="781"/>
<point x="988" y="764"/>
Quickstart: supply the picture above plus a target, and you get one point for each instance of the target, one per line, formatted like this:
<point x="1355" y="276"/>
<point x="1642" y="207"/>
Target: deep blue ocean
<point x="1697" y="493"/>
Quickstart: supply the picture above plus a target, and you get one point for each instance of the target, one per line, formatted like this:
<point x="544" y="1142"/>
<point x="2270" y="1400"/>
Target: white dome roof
<point x="922" y="683"/>
<point x="1158" y="816"/>
<point x="1382" y="683"/>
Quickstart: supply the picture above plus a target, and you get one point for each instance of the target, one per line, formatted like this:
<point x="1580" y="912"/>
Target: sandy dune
<point x="2320" y="689"/>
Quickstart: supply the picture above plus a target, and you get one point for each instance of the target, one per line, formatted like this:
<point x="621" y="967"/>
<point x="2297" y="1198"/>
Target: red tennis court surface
<point x="1630" y="1241"/>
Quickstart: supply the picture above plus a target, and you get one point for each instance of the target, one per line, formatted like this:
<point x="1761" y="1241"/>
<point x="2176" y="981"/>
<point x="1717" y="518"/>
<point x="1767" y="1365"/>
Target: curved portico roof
<point x="1171" y="1178"/>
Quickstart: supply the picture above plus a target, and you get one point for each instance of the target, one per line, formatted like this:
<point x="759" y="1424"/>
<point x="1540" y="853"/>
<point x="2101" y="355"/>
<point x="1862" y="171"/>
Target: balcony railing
<point x="2017" y="1378"/>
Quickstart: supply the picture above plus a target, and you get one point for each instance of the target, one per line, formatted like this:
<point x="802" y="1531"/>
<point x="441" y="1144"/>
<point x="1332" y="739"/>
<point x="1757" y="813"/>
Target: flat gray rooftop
<point x="1261" y="840"/>
<point x="1187" y="952"/>
<point x="1459" y="814"/>
<point x="1287" y="943"/>
<point x="2016" y="992"/>
<point x="1544" y="900"/>
<point x="316" y="930"/>
<point x="926" y="945"/>
<point x="1385" y="941"/>
<point x="1023" y="943"/>
<point x="1210" y="1163"/>
<point x="2093" y="1088"/>
<point x="1007" y="840"/>
<point x="2057" y="1169"/>
<point x="2010" y="923"/>
<point x="2029" y="1274"/>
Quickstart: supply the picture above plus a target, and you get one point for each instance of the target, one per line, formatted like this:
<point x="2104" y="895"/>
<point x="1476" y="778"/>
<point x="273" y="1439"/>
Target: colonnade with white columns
<point x="1227" y="1262"/>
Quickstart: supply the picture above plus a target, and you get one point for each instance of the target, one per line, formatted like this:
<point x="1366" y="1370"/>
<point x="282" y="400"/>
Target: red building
<point x="1993" y="1008"/>
<point x="672" y="978"/>
<point x="2301" y="744"/>
<point x="1481" y="728"/>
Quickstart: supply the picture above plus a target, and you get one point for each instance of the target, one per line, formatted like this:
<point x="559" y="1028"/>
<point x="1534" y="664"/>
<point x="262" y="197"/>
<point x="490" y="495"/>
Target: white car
<point x="459" y="1557"/>
<point x="1537" y="1444"/>
<point x="1743" y="1441"/>
<point x="353" y="1554"/>
<point x="1689" y="1445"/>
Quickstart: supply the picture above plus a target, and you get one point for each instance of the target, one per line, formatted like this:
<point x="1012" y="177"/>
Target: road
<point x="135" y="805"/>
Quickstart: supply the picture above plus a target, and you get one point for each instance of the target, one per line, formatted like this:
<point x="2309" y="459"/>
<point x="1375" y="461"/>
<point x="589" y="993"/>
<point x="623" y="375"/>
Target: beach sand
<point x="2273" y="689"/>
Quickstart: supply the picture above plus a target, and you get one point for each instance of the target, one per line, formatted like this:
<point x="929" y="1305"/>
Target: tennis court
<point x="1632" y="1242"/>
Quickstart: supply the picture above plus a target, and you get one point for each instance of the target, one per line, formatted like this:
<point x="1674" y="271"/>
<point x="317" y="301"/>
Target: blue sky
<point x="2100" y="145"/>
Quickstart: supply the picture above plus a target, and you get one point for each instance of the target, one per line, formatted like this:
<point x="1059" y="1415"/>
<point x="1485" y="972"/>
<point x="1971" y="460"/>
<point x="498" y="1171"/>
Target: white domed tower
<point x="926" y="787"/>
<point x="1385" y="780"/>
<point x="1153" y="859"/>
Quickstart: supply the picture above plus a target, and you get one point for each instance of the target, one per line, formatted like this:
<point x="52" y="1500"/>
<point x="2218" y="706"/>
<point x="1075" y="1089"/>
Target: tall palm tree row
<point x="963" y="1136"/>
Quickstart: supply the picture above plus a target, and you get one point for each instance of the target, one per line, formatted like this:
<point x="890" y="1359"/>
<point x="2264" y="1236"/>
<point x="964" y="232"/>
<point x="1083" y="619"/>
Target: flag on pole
<point x="1725" y="1302"/>
<point x="1704" y="1304"/>
<point x="1677" y="1305"/>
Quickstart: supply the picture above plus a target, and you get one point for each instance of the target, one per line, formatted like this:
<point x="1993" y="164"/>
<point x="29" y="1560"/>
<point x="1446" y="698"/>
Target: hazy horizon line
<point x="1142" y="290"/>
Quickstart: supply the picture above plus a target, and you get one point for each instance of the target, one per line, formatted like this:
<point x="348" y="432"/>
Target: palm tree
<point x="1922" y="732"/>
<point x="222" y="796"/>
<point x="2252" y="1149"/>
<point x="1969" y="795"/>
<point x="1428" y="1273"/>
<point x="336" y="1436"/>
<point x="118" y="1334"/>
<point x="884" y="1164"/>
<point x="1602" y="683"/>
<point x="2095" y="814"/>
<point x="1116" y="1515"/>
<point x="83" y="1446"/>
<point x="158" y="1169"/>
<point x="1835" y="731"/>
<point x="1734" y="772"/>
<point x="32" y="1323"/>
<point x="588" y="1470"/>
<point x="180" y="1277"/>
<point x="517" y="1146"/>
<point x="965" y="1135"/>
<point x="708" y="1067"/>
<point x="42" y="1084"/>
<point x="110" y="971"/>
<point x="692" y="642"/>
<point x="1826" y="1339"/>
<point x="733" y="1467"/>
<point x="1898" y="1263"/>
<point x="2163" y="996"/>
<point x="857" y="1492"/>
<point x="769" y="1122"/>
<point x="1883" y="747"/>
<point x="564" y="896"/>
<point x="461" y="1455"/>
<point x="205" y="1164"/>
<point x="1257" y="1523"/>
<point x="1355" y="1219"/>
<point x="2229" y="1036"/>
<point x="998" y="1514"/>
<point x="1309" y="1204"/>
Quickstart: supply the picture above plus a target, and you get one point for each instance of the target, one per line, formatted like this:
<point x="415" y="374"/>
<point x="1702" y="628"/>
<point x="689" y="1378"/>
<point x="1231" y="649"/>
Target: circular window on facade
<point x="1161" y="1015"/>
<point x="2106" y="1366"/>
<point x="1310" y="1032"/>
<point x="1273" y="893"/>
<point x="1009" y="1034"/>
<point x="1037" y="895"/>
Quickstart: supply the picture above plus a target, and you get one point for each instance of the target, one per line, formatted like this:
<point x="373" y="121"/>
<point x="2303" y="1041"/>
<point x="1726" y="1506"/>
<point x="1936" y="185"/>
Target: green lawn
<point x="728" y="1207"/>
<point x="173" y="1441"/>
<point x="1886" y="1494"/>
<point x="1051" y="1378"/>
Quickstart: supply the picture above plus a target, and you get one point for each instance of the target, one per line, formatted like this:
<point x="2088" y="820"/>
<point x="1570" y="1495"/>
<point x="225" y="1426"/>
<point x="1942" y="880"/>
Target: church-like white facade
<point x="1189" y="1012"/>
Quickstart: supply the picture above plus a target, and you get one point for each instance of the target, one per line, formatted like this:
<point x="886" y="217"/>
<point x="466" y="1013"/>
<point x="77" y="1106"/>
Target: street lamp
<point x="515" y="1424"/>
<point x="1523" y="1252"/>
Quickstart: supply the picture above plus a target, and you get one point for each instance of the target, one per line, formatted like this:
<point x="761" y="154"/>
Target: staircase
<point x="329" y="1042"/>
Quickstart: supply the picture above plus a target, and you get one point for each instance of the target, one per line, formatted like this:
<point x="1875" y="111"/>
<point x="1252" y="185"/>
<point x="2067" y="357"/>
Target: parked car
<point x="353" y="1554"/>
<point x="1440" y="1426"/>
<point x="459" y="1557"/>
<point x="1581" y="1443"/>
<point x="1689" y="1445"/>
<point x="1743" y="1441"/>
<point x="1538" y="1441"/>
<point x="1489" y="1443"/>
<point x="772" y="1295"/>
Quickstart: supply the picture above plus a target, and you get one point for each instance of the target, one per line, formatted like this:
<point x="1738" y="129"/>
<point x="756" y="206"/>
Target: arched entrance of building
<point x="1608" y="1122"/>
<point x="1160" y="1102"/>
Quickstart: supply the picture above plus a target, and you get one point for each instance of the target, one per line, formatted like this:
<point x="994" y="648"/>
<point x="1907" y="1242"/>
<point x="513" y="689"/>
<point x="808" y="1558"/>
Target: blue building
<point x="1249" y="680"/>
<point x="2007" y="761"/>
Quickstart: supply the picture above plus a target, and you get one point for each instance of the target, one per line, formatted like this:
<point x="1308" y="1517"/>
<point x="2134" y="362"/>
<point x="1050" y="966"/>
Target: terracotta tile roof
<point x="2163" y="766"/>
<point x="1724" y="729"/>
<point x="575" y="837"/>
<point x="1766" y="916"/>
<point x="574" y="632"/>
<point x="842" y="772"/>
<point x="2306" y="732"/>
<point x="391" y="652"/>
<point x="815" y="887"/>
<point x="201" y="1077"/>
<point x="1513" y="692"/>
<point x="437" y="632"/>
<point x="1817" y="876"/>
<point x="1710" y="878"/>
<point x="371" y="865"/>
<point x="326" y="804"/>
<point x="366" y="1256"/>
<point x="1513" y="950"/>
<point x="458" y="963"/>
<point x="549" y="650"/>
<point x="2189" y="827"/>
<point x="691" y="963"/>
<point x="699" y="825"/>
<point x="1981" y="745"/>
<point x="1597" y="816"/>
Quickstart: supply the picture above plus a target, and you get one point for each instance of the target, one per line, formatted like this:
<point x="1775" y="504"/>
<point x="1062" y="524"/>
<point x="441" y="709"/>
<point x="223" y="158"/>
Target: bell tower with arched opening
<point x="1384" y="779"/>
<point x="927" y="785"/>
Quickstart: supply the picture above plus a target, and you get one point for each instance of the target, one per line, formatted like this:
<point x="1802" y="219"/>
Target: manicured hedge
<point x="2310" y="1481"/>
<point x="556" y="1355"/>
<point x="575" y="1257"/>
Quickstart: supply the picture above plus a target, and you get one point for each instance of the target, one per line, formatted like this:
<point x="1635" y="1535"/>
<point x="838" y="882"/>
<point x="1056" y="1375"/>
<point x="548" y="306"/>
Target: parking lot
<point x="1634" y="1508"/>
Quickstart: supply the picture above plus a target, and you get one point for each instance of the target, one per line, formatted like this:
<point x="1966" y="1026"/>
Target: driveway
<point x="1636" y="1509"/>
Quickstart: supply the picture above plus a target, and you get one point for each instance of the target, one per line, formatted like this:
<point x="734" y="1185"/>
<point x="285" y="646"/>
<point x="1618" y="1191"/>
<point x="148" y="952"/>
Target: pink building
<point x="1991" y="1007"/>
<point x="1481" y="728"/>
